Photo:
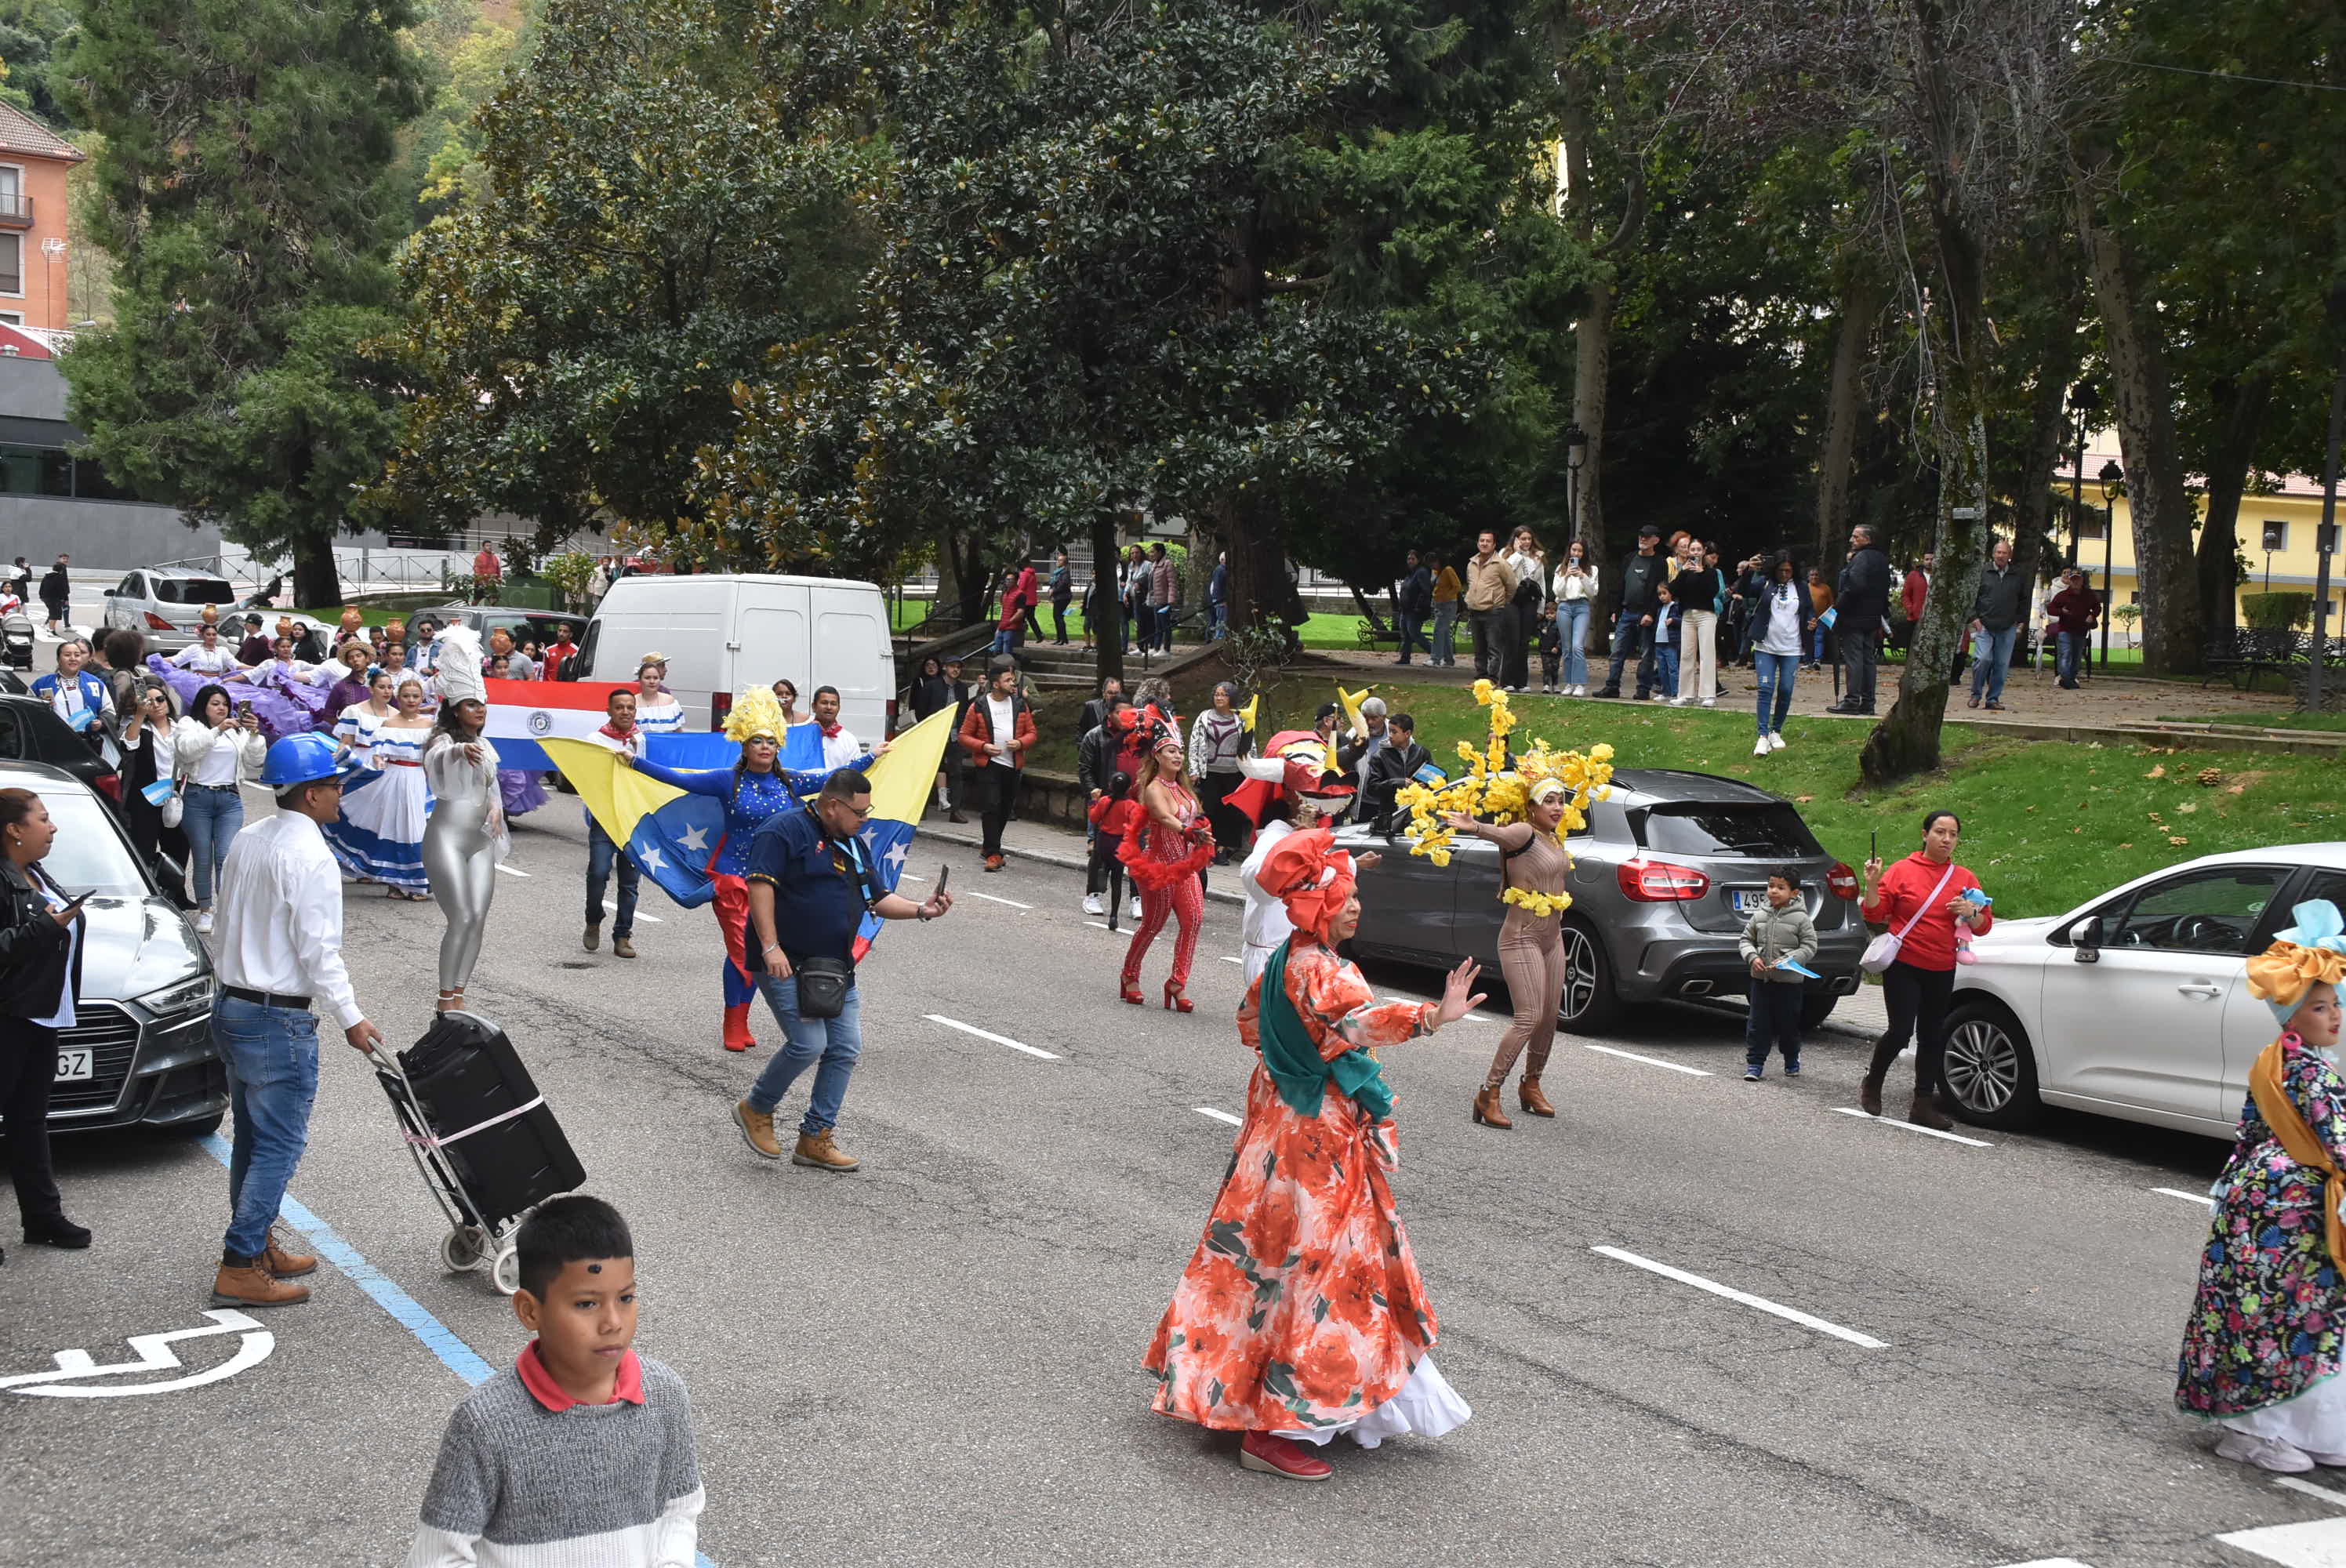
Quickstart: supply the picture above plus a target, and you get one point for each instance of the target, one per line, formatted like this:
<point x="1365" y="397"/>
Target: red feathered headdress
<point x="1295" y="761"/>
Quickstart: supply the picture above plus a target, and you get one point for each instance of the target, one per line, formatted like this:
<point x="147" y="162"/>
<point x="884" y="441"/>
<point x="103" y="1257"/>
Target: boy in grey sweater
<point x="1778" y="931"/>
<point x="582" y="1455"/>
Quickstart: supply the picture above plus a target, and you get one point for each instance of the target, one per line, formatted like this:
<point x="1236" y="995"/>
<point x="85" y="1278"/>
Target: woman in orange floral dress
<point x="1302" y="1314"/>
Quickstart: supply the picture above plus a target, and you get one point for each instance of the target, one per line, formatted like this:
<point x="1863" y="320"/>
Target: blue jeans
<point x="1446" y="633"/>
<point x="1665" y="668"/>
<point x="210" y="818"/>
<point x="1572" y="630"/>
<point x="271" y="1055"/>
<point x="834" y="1042"/>
<point x="1001" y="641"/>
<point x="1817" y="631"/>
<point x="1412" y="634"/>
<point x="1776" y="675"/>
<point x="1632" y="640"/>
<point x="1218" y="619"/>
<point x="1991" y="652"/>
<point x="601" y="855"/>
<point x="2070" y="653"/>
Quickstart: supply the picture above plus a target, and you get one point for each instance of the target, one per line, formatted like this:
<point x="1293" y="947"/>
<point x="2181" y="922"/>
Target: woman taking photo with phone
<point x="147" y="759"/>
<point x="40" y="972"/>
<point x="1918" y="901"/>
<point x="214" y="748"/>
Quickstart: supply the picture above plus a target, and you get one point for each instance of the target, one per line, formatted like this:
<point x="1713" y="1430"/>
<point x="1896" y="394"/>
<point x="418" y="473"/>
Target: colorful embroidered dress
<point x="2265" y="1326"/>
<point x="1301" y="1312"/>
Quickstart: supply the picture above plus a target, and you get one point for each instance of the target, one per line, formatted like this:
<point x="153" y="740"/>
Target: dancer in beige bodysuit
<point x="1531" y="945"/>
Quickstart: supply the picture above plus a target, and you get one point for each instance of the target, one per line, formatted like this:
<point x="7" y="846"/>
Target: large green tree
<point x="240" y="191"/>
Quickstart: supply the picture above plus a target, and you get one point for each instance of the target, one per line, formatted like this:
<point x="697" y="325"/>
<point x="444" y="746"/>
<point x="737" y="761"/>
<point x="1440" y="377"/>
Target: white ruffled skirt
<point x="1427" y="1406"/>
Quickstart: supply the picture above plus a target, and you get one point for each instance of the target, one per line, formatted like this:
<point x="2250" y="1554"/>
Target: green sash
<point x="1295" y="1064"/>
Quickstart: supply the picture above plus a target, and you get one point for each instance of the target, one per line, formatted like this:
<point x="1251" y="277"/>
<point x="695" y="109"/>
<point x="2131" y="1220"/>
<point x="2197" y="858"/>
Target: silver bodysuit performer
<point x="465" y="837"/>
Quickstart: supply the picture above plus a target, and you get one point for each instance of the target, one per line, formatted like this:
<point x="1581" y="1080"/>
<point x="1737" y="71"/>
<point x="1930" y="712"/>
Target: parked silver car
<point x="140" y="1051"/>
<point x="165" y="604"/>
<point x="1664" y="876"/>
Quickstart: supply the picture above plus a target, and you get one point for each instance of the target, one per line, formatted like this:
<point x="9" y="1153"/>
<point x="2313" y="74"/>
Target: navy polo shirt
<point x="821" y="888"/>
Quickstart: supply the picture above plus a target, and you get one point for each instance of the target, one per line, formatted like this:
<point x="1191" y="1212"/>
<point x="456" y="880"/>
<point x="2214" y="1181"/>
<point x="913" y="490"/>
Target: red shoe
<point x="994" y="862"/>
<point x="1131" y="994"/>
<point x="1282" y="1456"/>
<point x="1174" y="1001"/>
<point x="737" y="1028"/>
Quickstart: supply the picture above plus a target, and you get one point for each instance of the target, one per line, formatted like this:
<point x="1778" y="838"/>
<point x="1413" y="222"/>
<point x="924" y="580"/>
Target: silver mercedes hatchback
<point x="1669" y="866"/>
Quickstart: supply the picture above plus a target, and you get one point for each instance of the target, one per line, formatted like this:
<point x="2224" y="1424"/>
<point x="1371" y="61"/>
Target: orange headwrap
<point x="1311" y="876"/>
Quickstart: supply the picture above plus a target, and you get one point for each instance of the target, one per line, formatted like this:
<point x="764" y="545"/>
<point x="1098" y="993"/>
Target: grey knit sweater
<point x="594" y="1486"/>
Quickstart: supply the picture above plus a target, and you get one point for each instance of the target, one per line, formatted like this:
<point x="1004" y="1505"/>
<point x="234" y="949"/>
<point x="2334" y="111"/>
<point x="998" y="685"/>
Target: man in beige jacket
<point x="1490" y="586"/>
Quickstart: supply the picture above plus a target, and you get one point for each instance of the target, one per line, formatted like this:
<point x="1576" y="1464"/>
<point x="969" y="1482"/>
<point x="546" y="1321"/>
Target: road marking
<point x="911" y="877"/>
<point x="1226" y="957"/>
<point x="2291" y="1483"/>
<point x="989" y="898"/>
<point x="2316" y="1544"/>
<point x="654" y="919"/>
<point x="1648" y="1061"/>
<point x="1913" y="1127"/>
<point x="2197" y="1198"/>
<point x="2050" y="1563"/>
<point x="510" y="872"/>
<point x="1789" y="1314"/>
<point x="1219" y="1115"/>
<point x="989" y="1034"/>
<point x="154" y="1355"/>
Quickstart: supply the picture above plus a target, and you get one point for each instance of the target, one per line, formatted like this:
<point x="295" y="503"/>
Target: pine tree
<point x="241" y="191"/>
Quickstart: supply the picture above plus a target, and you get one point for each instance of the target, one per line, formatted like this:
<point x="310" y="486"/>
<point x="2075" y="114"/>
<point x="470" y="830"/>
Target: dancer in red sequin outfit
<point x="1166" y="850"/>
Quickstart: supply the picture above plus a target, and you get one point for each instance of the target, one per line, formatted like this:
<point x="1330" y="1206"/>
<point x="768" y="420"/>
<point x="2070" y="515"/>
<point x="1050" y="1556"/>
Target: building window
<point x="12" y="265"/>
<point x="35" y="471"/>
<point x="2276" y="537"/>
<point x="2092" y="523"/>
<point x="13" y="318"/>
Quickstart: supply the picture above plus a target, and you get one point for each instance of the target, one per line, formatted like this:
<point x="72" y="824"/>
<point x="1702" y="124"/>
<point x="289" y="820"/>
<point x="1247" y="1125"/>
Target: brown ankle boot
<point x="1527" y="1094"/>
<point x="816" y="1149"/>
<point x="1487" y="1108"/>
<point x="757" y="1129"/>
<point x="282" y="1260"/>
<point x="1924" y="1113"/>
<point x="245" y="1283"/>
<point x="1869" y="1094"/>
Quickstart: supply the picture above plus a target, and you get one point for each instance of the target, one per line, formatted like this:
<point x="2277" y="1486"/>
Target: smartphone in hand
<point x="945" y="875"/>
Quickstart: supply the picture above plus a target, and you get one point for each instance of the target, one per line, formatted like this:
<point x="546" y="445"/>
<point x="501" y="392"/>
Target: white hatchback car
<point x="2135" y="1005"/>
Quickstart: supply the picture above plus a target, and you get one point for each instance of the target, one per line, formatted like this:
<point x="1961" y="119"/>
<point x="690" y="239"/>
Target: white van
<point x="722" y="634"/>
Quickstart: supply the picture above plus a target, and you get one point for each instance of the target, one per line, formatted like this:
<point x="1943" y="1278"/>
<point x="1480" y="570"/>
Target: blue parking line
<point x="406" y="1310"/>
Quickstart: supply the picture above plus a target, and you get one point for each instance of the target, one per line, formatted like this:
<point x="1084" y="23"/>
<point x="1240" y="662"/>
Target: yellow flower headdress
<point x="756" y="711"/>
<point x="2310" y="953"/>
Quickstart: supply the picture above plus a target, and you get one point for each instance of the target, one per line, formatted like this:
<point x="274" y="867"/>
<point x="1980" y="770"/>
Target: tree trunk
<point x="2173" y="640"/>
<point x="2031" y="500"/>
<point x="1592" y="343"/>
<point x="1368" y="610"/>
<point x="1861" y="304"/>
<point x="1107" y="638"/>
<point x="315" y="581"/>
<point x="1262" y="592"/>
<point x="2228" y="476"/>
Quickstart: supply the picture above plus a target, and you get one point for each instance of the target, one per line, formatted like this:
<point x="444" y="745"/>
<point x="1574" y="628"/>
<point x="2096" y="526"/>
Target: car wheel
<point x="1588" y="1005"/>
<point x="1991" y="1071"/>
<point x="1815" y="1010"/>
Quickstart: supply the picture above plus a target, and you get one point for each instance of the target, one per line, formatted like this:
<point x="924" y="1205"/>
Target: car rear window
<point x="194" y="591"/>
<point x="1771" y="830"/>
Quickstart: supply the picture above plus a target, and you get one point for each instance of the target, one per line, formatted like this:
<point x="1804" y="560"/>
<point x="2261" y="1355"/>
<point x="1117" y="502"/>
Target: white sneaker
<point x="1136" y="906"/>
<point x="2265" y="1453"/>
<point x="1761" y="748"/>
<point x="1710" y="702"/>
<point x="1092" y="905"/>
<point x="1775" y="740"/>
<point x="204" y="922"/>
<point x="1681" y="701"/>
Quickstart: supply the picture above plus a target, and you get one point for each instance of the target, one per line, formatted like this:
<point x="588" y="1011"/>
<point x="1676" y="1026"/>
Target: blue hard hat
<point x="303" y="760"/>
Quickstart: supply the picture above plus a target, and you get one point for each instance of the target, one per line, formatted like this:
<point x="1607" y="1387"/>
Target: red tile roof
<point x="21" y="133"/>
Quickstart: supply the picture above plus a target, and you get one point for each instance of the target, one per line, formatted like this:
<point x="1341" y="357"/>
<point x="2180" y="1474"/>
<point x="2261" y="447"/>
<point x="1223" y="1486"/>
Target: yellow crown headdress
<point x="755" y="712"/>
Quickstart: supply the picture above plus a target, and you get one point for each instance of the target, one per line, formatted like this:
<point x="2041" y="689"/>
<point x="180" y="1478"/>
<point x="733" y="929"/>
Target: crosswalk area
<point x="2310" y="1543"/>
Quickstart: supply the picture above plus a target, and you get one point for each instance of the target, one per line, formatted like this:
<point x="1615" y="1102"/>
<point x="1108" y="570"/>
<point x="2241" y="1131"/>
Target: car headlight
<point x="178" y="997"/>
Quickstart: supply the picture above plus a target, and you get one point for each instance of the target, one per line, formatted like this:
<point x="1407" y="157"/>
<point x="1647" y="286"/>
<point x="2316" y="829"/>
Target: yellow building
<point x="2277" y="533"/>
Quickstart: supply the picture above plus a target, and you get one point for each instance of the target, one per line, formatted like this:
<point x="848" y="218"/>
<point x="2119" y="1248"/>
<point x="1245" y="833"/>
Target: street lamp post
<point x="1576" y="452"/>
<point x="2084" y="401"/>
<point x="2112" y="481"/>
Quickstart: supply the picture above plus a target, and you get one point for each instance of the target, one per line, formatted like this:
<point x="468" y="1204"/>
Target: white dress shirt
<point x="633" y="745"/>
<point x="63" y="1018"/>
<point x="839" y="750"/>
<point x="279" y="922"/>
<point x="1264" y="925"/>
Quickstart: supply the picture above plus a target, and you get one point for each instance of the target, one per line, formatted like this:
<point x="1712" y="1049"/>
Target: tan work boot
<point x="594" y="934"/>
<point x="816" y="1149"/>
<point x="756" y="1130"/>
<point x="283" y="1261"/>
<point x="246" y="1283"/>
<point x="623" y="947"/>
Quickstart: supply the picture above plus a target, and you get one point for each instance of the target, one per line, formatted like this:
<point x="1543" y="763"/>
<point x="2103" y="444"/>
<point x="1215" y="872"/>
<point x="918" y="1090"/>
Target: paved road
<point x="935" y="1360"/>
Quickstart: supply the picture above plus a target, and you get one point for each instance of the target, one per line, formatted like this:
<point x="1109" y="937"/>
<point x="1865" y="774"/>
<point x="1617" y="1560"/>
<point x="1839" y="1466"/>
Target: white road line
<point x="1913" y="1127"/>
<point x="2316" y="1544"/>
<point x="1789" y="1314"/>
<point x="989" y="898"/>
<point x="910" y="877"/>
<point x="1224" y="957"/>
<point x="509" y="870"/>
<point x="1219" y="1115"/>
<point x="1648" y="1061"/>
<point x="654" y="919"/>
<point x="989" y="1034"/>
<point x="2050" y="1563"/>
<point x="2199" y="1198"/>
<point x="2291" y="1483"/>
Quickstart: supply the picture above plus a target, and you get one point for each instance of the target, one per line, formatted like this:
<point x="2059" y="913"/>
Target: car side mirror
<point x="2086" y="936"/>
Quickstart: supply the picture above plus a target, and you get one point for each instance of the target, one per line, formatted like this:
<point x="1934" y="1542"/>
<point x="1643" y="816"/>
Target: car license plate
<point x="1750" y="899"/>
<point x="76" y="1064"/>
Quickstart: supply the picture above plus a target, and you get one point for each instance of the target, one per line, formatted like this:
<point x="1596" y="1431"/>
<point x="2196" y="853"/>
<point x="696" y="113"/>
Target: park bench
<point x="1373" y="637"/>
<point x="2242" y="655"/>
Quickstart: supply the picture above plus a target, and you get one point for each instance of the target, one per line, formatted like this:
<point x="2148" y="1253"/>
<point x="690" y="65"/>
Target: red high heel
<point x="1131" y="994"/>
<point x="1176" y="1004"/>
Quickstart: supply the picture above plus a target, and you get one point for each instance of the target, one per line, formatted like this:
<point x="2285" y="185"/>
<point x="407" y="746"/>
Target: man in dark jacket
<point x="56" y="593"/>
<point x="1412" y="605"/>
<point x="2073" y="613"/>
<point x="1095" y="766"/>
<point x="1860" y="602"/>
<point x="1095" y="710"/>
<point x="1642" y="575"/>
<point x="1997" y="612"/>
<point x="1394" y="765"/>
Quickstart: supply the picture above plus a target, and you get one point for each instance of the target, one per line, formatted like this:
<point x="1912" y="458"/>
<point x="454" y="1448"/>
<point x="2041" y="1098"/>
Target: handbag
<point x="823" y="984"/>
<point x="1883" y="951"/>
<point x="172" y="809"/>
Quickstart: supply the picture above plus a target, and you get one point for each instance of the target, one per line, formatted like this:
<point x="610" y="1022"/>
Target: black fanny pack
<point x="823" y="985"/>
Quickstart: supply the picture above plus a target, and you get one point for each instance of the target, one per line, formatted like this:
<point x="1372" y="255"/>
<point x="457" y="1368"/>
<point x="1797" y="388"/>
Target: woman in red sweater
<point x="1920" y="898"/>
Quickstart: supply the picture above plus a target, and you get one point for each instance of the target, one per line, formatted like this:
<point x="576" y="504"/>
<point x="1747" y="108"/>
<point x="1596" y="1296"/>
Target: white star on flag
<point x="897" y="856"/>
<point x="652" y="861"/>
<point x="695" y="839"/>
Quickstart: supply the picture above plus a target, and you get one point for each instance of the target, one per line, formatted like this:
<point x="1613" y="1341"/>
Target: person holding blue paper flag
<point x="1779" y="941"/>
<point x="80" y="697"/>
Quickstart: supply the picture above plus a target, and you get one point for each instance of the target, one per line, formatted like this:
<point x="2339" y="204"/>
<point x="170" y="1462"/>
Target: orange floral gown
<point x="1302" y="1308"/>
